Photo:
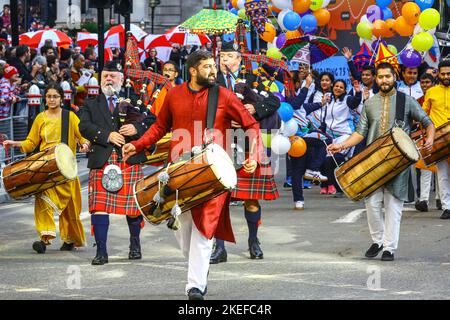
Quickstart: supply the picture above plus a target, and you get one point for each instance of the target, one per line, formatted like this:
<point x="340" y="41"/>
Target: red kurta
<point x="185" y="109"/>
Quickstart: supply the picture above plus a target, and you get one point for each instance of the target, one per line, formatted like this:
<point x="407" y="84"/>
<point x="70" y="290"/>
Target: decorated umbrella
<point x="85" y="39"/>
<point x="319" y="48"/>
<point x="211" y="21"/>
<point x="38" y="38"/>
<point x="183" y="37"/>
<point x="115" y="36"/>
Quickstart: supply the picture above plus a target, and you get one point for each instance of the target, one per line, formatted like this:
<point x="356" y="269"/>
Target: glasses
<point x="169" y="70"/>
<point x="49" y="97"/>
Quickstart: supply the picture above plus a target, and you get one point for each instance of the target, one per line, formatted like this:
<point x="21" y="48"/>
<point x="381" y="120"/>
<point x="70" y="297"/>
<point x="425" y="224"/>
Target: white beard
<point x="108" y="90"/>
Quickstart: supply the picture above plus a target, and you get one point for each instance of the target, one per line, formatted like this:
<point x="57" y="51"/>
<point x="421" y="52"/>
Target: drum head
<point x="221" y="165"/>
<point x="66" y="161"/>
<point x="405" y="144"/>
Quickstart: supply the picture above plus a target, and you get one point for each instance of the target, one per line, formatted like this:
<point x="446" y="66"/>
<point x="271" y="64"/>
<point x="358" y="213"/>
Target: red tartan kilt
<point x="121" y="202"/>
<point x="258" y="186"/>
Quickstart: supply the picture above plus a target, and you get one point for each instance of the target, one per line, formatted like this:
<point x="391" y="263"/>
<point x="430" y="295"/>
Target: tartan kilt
<point x="258" y="186"/>
<point x="121" y="202"/>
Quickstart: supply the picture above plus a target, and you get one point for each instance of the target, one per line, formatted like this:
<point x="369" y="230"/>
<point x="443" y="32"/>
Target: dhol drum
<point x="161" y="152"/>
<point x="40" y="171"/>
<point x="379" y="163"/>
<point x="441" y="145"/>
<point x="185" y="183"/>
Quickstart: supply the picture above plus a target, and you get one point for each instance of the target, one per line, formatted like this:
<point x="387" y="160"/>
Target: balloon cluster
<point x="286" y="141"/>
<point x="418" y="19"/>
<point x="293" y="16"/>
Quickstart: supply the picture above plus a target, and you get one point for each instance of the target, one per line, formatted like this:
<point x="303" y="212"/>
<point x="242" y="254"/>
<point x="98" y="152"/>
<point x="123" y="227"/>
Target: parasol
<point x="319" y="48"/>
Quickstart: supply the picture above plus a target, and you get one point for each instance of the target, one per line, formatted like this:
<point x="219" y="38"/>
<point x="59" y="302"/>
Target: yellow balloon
<point x="429" y="19"/>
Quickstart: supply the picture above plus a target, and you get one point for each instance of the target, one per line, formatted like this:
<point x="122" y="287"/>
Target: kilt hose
<point x="121" y="202"/>
<point x="258" y="186"/>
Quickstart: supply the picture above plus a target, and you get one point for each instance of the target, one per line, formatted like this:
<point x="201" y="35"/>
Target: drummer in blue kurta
<point x="379" y="116"/>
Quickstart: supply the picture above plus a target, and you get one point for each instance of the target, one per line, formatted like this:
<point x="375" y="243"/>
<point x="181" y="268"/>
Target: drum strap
<point x="213" y="97"/>
<point x="65" y="126"/>
<point x="400" y="106"/>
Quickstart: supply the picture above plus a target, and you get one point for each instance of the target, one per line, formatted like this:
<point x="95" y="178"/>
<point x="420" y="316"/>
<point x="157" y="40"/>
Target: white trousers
<point x="384" y="231"/>
<point x="197" y="249"/>
<point x="426" y="177"/>
<point x="443" y="173"/>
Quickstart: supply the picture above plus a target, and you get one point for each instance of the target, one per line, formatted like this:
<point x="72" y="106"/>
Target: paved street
<point x="314" y="254"/>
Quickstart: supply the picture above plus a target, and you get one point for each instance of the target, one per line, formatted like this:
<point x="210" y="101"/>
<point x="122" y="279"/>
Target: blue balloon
<point x="285" y="111"/>
<point x="383" y="3"/>
<point x="309" y="23"/>
<point x="292" y="21"/>
<point x="426" y="4"/>
<point x="234" y="11"/>
<point x="387" y="14"/>
<point x="279" y="85"/>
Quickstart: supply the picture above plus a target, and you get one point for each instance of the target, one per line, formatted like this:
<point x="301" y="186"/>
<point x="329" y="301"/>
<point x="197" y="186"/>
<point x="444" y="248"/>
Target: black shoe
<point x="135" y="249"/>
<point x="421" y="206"/>
<point x="287" y="186"/>
<point x="255" y="249"/>
<point x="219" y="255"/>
<point x="446" y="214"/>
<point x="100" y="260"/>
<point x="195" y="294"/>
<point x="438" y="204"/>
<point x="387" y="256"/>
<point x="39" y="246"/>
<point x="373" y="251"/>
<point x="134" y="255"/>
<point x="67" y="246"/>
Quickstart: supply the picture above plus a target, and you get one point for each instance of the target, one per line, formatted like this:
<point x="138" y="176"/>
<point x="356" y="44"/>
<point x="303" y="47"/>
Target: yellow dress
<point x="65" y="199"/>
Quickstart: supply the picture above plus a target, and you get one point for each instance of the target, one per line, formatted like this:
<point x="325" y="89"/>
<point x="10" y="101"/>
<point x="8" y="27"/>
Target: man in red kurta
<point x="184" y="110"/>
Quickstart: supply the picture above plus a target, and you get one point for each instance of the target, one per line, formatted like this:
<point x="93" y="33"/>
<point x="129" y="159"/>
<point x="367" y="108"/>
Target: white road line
<point x="350" y="217"/>
<point x="13" y="205"/>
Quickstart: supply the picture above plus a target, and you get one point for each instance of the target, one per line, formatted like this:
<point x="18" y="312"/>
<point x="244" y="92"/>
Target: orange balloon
<point x="269" y="34"/>
<point x="234" y="3"/>
<point x="323" y="16"/>
<point x="301" y="6"/>
<point x="390" y="24"/>
<point x="403" y="28"/>
<point x="379" y="28"/>
<point x="298" y="147"/>
<point x="293" y="34"/>
<point x="411" y="12"/>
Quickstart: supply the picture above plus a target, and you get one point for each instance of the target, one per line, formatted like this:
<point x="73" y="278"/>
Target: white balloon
<point x="325" y="3"/>
<point x="289" y="128"/>
<point x="418" y="29"/>
<point x="367" y="42"/>
<point x="272" y="44"/>
<point x="365" y="19"/>
<point x="281" y="18"/>
<point x="282" y="4"/>
<point x="241" y="4"/>
<point x="280" y="144"/>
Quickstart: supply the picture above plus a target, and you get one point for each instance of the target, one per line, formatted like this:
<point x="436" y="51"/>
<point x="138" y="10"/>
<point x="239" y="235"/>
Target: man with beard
<point x="260" y="185"/>
<point x="100" y="124"/>
<point x="185" y="111"/>
<point x="379" y="116"/>
<point x="437" y="106"/>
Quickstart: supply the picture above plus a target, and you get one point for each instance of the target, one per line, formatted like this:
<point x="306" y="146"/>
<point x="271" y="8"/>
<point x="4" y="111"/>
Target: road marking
<point x="30" y="290"/>
<point x="13" y="205"/>
<point x="350" y="217"/>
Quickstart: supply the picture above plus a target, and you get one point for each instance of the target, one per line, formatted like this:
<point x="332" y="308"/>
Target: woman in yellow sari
<point x="65" y="199"/>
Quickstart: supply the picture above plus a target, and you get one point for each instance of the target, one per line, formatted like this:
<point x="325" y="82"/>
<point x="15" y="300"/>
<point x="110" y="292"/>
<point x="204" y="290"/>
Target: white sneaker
<point x="314" y="175"/>
<point x="299" y="205"/>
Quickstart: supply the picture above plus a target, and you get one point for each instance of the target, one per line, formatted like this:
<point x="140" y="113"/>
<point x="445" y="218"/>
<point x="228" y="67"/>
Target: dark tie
<point x="229" y="84"/>
<point x="111" y="104"/>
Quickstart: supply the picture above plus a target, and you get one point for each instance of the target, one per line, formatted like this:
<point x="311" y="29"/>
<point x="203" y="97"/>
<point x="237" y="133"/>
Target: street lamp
<point x="153" y="4"/>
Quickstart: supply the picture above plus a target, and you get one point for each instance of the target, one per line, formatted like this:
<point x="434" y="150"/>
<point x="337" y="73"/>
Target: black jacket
<point x="97" y="122"/>
<point x="264" y="108"/>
